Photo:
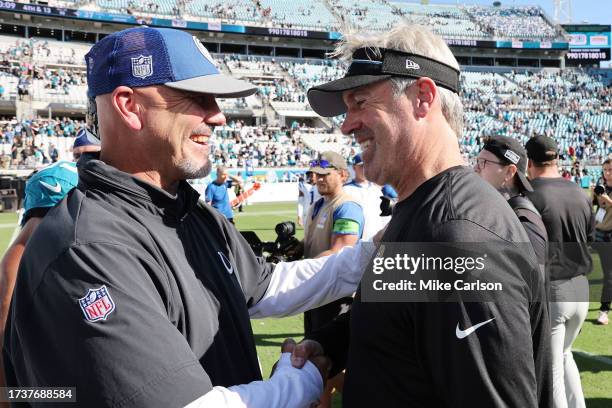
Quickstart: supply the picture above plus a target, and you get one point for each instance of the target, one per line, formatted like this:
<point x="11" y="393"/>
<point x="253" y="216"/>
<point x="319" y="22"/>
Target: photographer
<point x="603" y="234"/>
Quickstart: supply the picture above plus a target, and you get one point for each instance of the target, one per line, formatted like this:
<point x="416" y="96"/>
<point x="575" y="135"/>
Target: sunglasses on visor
<point x="324" y="164"/>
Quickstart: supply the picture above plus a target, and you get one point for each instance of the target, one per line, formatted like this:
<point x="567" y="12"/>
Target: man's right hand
<point x="306" y="350"/>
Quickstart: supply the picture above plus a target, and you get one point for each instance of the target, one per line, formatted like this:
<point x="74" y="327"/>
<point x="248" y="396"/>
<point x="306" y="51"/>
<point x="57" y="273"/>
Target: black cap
<point x="542" y="149"/>
<point x="510" y="151"/>
<point x="371" y="65"/>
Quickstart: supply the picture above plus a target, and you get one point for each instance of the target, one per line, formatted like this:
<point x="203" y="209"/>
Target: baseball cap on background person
<point x="85" y="137"/>
<point x="370" y="65"/>
<point x="85" y="142"/>
<point x="510" y="151"/>
<point x="357" y="160"/>
<point x="327" y="162"/>
<point x="542" y="149"/>
<point x="145" y="56"/>
<point x="47" y="187"/>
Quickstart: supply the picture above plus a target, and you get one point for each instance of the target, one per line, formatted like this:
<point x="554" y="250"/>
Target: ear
<point x="426" y="94"/>
<point x="128" y="110"/>
<point x="510" y="172"/>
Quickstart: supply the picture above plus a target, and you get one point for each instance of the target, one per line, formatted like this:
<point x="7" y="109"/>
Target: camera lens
<point x="285" y="229"/>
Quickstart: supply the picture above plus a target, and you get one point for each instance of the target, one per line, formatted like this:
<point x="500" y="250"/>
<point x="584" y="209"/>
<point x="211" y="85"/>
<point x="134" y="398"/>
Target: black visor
<point x="368" y="66"/>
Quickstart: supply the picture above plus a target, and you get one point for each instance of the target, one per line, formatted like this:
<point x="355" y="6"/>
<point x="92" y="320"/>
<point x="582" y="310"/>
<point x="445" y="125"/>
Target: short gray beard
<point x="191" y="172"/>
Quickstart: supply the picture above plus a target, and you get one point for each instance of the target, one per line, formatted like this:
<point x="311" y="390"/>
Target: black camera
<point x="279" y="250"/>
<point x="599" y="190"/>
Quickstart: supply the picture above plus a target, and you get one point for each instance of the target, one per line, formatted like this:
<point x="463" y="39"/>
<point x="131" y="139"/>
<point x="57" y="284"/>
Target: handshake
<point x="305" y="356"/>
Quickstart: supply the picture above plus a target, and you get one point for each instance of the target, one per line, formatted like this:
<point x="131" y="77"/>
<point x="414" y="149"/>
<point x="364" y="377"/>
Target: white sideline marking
<point x="586" y="354"/>
<point x="7" y="225"/>
<point x="258" y="213"/>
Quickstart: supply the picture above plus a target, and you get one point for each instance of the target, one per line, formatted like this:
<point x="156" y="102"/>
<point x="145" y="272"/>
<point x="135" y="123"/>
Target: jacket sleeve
<point x="288" y="387"/>
<point x="295" y="287"/>
<point x="102" y="312"/>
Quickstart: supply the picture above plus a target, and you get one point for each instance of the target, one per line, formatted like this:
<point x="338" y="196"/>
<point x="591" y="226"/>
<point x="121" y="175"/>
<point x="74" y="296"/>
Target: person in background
<point x="568" y="217"/>
<point x="603" y="237"/>
<point x="368" y="195"/>
<point x="239" y="189"/>
<point x="335" y="221"/>
<point x="85" y="142"/>
<point x="307" y="196"/>
<point x="217" y="192"/>
<point x="43" y="190"/>
<point x="53" y="153"/>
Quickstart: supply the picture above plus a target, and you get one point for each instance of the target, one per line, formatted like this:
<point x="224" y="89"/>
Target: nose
<point x="216" y="117"/>
<point x="351" y="123"/>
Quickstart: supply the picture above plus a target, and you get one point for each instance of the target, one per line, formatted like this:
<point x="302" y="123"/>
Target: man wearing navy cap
<point x="142" y="294"/>
<point x="85" y="142"/>
<point x="401" y="98"/>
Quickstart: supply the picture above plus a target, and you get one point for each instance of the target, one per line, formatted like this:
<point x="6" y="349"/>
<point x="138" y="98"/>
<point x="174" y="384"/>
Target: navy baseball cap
<point x="145" y="56"/>
<point x="542" y="148"/>
<point x="357" y="159"/>
<point x="85" y="138"/>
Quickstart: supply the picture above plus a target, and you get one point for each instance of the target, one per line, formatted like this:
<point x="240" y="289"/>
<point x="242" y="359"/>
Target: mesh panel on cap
<point x="109" y="63"/>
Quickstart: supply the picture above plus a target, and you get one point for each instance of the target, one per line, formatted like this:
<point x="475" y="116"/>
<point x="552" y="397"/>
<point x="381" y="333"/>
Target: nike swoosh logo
<point x="56" y="188"/>
<point x="461" y="334"/>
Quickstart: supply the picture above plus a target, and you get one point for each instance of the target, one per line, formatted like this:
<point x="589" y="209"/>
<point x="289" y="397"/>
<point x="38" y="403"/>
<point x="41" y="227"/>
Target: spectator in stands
<point x="53" y="153"/>
<point x="603" y="237"/>
<point x="217" y="193"/>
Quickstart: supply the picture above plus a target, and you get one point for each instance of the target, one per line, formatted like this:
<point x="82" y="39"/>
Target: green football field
<point x="593" y="348"/>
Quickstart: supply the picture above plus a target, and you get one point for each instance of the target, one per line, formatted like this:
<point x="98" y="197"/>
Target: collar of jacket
<point x="97" y="176"/>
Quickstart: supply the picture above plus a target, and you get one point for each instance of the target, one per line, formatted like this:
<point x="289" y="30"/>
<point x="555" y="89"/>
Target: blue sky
<point x="593" y="11"/>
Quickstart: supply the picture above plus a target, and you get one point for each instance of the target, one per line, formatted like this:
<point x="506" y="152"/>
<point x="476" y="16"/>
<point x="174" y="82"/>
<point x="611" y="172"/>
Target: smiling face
<point x="179" y="126"/>
<point x="383" y="126"/>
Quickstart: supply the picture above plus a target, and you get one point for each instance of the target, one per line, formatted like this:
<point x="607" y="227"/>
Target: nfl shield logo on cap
<point x="97" y="304"/>
<point x="142" y="66"/>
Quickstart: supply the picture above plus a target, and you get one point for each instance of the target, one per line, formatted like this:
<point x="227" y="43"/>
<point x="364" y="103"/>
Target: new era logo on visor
<point x="410" y="64"/>
<point x="142" y="66"/>
<point x="513" y="157"/>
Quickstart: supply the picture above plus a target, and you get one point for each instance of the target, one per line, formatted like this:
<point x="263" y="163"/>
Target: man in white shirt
<point x="367" y="194"/>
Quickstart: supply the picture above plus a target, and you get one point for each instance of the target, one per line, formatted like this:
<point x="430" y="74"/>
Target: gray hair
<point x="412" y="39"/>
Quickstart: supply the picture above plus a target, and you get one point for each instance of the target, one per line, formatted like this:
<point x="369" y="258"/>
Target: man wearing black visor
<point x="400" y="96"/>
